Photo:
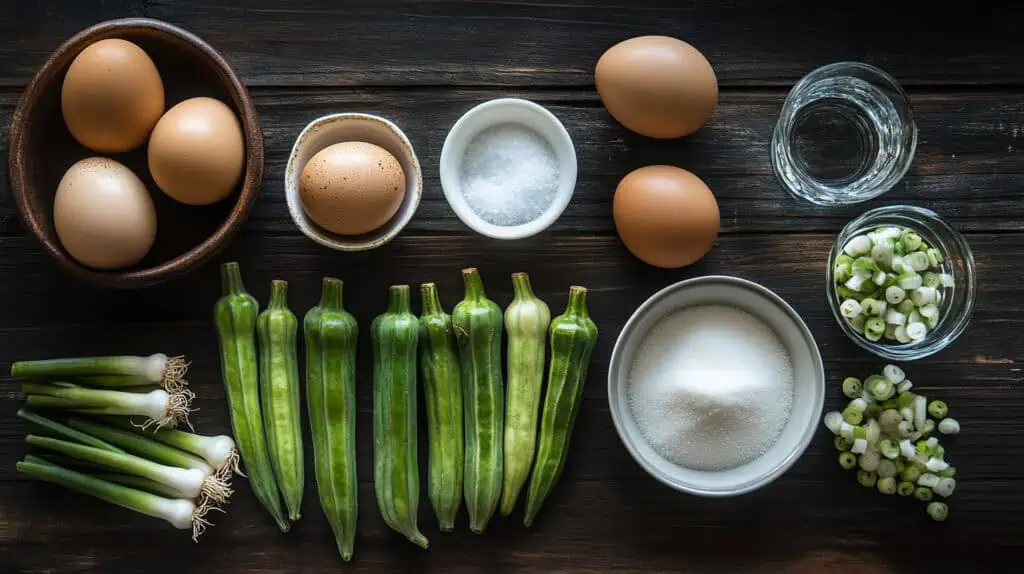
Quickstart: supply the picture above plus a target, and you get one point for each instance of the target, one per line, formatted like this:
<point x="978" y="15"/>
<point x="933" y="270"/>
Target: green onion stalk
<point x="162" y="408"/>
<point x="216" y="483"/>
<point x="191" y="483"/>
<point x="181" y="513"/>
<point x="64" y="431"/>
<point x="219" y="451"/>
<point x="112" y="372"/>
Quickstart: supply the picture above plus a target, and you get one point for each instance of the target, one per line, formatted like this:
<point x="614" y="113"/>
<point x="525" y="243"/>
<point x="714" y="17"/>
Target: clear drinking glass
<point x="846" y="135"/>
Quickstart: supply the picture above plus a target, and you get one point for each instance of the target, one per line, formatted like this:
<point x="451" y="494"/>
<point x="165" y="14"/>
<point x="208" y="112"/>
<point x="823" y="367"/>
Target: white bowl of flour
<point x="716" y="386"/>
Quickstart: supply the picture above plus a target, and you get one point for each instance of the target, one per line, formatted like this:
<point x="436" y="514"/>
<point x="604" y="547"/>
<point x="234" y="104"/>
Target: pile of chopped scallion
<point x="89" y="443"/>
<point x="891" y="284"/>
<point x="889" y="435"/>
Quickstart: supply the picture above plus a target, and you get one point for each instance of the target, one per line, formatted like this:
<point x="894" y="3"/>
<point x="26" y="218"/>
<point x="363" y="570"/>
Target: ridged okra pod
<point x="395" y="334"/>
<point x="331" y="334"/>
<point x="478" y="327"/>
<point x="235" y="318"/>
<point x="442" y="392"/>
<point x="276" y="328"/>
<point x="526" y="326"/>
<point x="572" y="337"/>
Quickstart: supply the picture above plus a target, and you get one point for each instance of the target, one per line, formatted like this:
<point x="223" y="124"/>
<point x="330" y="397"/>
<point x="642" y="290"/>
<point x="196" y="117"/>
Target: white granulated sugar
<point x="711" y="387"/>
<point x="509" y="174"/>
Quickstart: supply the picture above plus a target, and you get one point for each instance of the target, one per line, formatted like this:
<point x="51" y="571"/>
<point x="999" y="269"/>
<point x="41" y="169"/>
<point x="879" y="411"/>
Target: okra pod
<point x="526" y="324"/>
<point x="279" y="390"/>
<point x="395" y="334"/>
<point x="478" y="328"/>
<point x="442" y="391"/>
<point x="331" y="334"/>
<point x="573" y="336"/>
<point x="235" y="318"/>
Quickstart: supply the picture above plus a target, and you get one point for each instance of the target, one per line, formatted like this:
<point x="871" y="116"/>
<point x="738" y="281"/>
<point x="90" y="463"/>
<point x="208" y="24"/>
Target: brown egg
<point x="665" y="215"/>
<point x="657" y="86"/>
<point x="112" y="96"/>
<point x="351" y="188"/>
<point x="197" y="151"/>
<point x="103" y="215"/>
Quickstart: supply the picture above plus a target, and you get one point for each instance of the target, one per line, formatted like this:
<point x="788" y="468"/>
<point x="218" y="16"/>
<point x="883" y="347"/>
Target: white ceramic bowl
<point x="808" y="395"/>
<point x="336" y="128"/>
<point x="501" y="111"/>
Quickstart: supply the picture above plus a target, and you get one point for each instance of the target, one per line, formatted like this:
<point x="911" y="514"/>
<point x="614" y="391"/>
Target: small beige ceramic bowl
<point x="336" y="128"/>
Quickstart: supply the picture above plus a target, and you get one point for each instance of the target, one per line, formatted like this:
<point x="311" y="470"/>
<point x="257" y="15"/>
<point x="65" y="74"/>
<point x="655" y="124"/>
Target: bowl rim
<point x="615" y="407"/>
<point x="340" y="242"/>
<point x="562" y="197"/>
<point x="242" y="104"/>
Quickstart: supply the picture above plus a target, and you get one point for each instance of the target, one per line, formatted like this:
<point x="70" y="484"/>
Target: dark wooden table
<point x="422" y="64"/>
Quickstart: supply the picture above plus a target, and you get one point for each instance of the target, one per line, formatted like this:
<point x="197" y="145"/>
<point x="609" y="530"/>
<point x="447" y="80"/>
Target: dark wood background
<point x="424" y="63"/>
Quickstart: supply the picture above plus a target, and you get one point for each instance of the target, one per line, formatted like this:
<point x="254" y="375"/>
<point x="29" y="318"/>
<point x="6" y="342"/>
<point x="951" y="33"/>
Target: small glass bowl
<point x="846" y="134"/>
<point x="957" y="304"/>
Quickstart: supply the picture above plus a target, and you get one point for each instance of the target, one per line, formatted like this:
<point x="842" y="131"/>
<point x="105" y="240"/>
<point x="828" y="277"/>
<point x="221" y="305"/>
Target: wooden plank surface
<point x="538" y="43"/>
<point x="423" y="64"/>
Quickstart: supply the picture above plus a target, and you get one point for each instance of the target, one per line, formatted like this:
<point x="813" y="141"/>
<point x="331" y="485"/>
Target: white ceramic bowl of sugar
<point x="808" y="384"/>
<point x="520" y="113"/>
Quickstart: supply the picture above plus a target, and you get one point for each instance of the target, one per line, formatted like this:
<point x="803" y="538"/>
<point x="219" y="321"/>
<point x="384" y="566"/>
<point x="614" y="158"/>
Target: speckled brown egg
<point x="103" y="214"/>
<point x="112" y="96"/>
<point x="665" y="215"/>
<point x="351" y="188"/>
<point x="657" y="86"/>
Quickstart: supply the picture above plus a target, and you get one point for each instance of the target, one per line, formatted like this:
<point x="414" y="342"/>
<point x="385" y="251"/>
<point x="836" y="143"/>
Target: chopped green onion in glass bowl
<point x="901" y="282"/>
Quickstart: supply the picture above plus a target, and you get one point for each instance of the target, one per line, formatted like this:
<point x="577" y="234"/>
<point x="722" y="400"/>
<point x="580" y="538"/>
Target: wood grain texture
<point x="422" y="64"/>
<point x="535" y="42"/>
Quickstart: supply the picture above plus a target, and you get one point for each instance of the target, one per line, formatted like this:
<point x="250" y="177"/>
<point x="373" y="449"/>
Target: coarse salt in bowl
<point x="517" y="137"/>
<point x="808" y="384"/>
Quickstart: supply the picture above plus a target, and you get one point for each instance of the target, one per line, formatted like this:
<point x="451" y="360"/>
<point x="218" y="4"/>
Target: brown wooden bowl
<point x="42" y="149"/>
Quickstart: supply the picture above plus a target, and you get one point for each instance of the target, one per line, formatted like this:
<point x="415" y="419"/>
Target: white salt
<point x="711" y="387"/>
<point x="509" y="174"/>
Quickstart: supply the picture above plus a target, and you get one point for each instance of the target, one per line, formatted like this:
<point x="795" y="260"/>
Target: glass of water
<point x="846" y="135"/>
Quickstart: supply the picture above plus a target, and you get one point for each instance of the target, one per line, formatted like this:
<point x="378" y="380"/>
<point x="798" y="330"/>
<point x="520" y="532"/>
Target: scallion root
<point x="231" y="465"/>
<point x="199" y="521"/>
<point x="215" y="489"/>
<point x="177" y="411"/>
<point x="172" y="376"/>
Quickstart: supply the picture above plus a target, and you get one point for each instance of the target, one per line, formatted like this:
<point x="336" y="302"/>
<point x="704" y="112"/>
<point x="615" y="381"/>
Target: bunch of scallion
<point x="169" y="474"/>
<point x="153" y="387"/>
<point x="90" y="444"/>
<point x="888" y="433"/>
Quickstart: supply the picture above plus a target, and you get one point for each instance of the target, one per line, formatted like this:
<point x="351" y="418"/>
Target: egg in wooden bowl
<point x="353" y="181"/>
<point x="95" y="135"/>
